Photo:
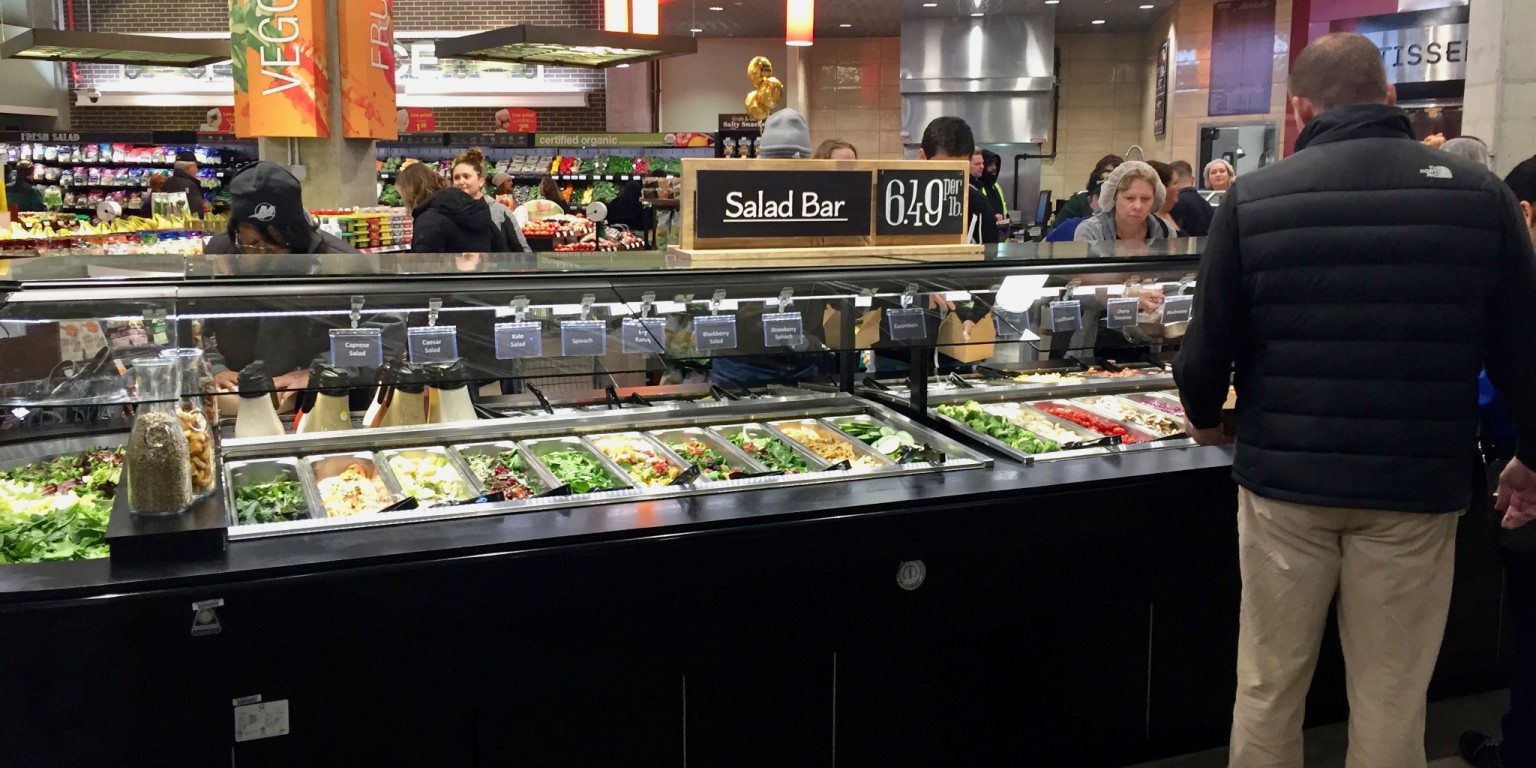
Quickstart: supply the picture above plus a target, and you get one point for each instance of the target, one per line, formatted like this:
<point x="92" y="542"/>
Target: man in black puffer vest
<point x="1355" y="290"/>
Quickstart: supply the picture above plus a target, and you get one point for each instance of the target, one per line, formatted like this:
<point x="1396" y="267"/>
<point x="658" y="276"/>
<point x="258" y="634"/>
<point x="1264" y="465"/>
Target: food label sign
<point x="741" y="204"/>
<point x="920" y="202"/>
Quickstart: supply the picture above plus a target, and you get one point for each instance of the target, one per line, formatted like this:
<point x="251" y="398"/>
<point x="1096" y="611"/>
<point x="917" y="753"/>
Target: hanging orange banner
<point x="282" y="88"/>
<point x="367" y="69"/>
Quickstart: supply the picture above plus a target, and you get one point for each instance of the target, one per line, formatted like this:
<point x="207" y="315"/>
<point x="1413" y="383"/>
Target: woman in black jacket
<point x="447" y="220"/>
<point x="627" y="209"/>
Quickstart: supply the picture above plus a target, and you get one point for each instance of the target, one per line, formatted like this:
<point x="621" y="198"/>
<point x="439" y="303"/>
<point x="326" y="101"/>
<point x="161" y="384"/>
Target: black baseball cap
<point x="186" y="156"/>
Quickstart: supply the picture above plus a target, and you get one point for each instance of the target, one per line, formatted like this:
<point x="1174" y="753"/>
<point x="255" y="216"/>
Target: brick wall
<point x="164" y="16"/>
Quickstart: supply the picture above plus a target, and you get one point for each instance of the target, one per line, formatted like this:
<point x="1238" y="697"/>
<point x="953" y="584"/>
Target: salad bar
<point x="303" y="483"/>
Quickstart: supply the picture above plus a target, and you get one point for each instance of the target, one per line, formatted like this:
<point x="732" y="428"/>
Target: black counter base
<point x="1089" y="626"/>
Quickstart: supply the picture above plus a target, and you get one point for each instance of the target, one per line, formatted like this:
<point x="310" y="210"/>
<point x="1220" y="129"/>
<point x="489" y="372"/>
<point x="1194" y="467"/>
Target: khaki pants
<point x="1392" y="572"/>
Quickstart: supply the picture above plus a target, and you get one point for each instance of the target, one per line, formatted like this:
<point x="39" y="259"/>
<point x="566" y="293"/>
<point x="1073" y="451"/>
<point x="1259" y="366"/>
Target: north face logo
<point x="268" y="211"/>
<point x="1436" y="172"/>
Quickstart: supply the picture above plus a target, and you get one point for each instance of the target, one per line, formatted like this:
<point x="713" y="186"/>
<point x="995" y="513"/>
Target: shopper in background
<point x="1077" y="206"/>
<point x="502" y="183"/>
<point x="950" y="138"/>
<point x="156" y="184"/>
<point x="1127" y="202"/>
<point x="469" y="175"/>
<point x="1219" y="175"/>
<point x="785" y="136"/>
<point x="1166" y="175"/>
<point x="447" y="219"/>
<point x="835" y="149"/>
<point x="1518" y="548"/>
<point x="1066" y="231"/>
<point x="21" y="193"/>
<point x="991" y="164"/>
<point x="1471" y="148"/>
<point x="549" y="189"/>
<point x="627" y="209"/>
<point x="184" y="179"/>
<point x="1350" y="484"/>
<point x="1190" y="211"/>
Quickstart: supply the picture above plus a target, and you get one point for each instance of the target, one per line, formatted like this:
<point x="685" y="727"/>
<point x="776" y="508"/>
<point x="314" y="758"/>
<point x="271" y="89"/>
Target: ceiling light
<point x="930" y="5"/>
<point x="800" y="22"/>
<point x="1052" y="2"/>
<point x="695" y="30"/>
<point x="622" y="66"/>
<point x="1148" y="7"/>
<point x="1098" y="21"/>
<point x="846" y="26"/>
<point x="977" y="15"/>
<point x="716" y="8"/>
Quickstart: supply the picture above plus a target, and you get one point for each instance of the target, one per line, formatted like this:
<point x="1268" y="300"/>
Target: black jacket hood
<point x="1357" y="121"/>
<point x="459" y="207"/>
<point x="988" y="157"/>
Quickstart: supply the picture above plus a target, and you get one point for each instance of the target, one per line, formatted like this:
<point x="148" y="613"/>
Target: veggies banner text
<point x="282" y="85"/>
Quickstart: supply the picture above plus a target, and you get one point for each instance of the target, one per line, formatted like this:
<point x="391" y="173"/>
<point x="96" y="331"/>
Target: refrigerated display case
<point x="812" y="549"/>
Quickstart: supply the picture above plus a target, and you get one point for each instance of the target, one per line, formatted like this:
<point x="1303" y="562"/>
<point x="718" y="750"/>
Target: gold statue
<point x="768" y="91"/>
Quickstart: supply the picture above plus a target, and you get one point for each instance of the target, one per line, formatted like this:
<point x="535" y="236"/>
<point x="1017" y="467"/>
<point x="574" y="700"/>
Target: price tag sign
<point x="433" y="344"/>
<point x="714" y="333"/>
<point x="920" y="202"/>
<point x="1178" y="309"/>
<point x="515" y="340"/>
<point x="1121" y="313"/>
<point x="643" y="335"/>
<point x="907" y="324"/>
<point x="584" y="338"/>
<point x="1066" y="316"/>
<point x="783" y="329"/>
<point x="357" y="347"/>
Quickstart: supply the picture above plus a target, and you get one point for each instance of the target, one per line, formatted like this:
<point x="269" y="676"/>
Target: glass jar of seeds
<point x="159" y="474"/>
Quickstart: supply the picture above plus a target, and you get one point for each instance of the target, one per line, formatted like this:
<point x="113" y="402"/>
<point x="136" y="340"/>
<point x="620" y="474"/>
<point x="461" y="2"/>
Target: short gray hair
<point x="185" y="166"/>
<point x="1471" y="148"/>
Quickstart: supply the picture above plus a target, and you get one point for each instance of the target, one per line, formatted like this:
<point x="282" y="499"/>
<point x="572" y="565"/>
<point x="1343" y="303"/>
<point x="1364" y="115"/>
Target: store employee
<point x="271" y="233"/>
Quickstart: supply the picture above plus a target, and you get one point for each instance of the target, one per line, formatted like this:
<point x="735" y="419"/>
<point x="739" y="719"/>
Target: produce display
<point x="710" y="462"/>
<point x="356" y="490"/>
<point x="1000" y="427"/>
<point x="429" y="477"/>
<point x="581" y="471"/>
<point x="58" y="509"/>
<point x="1158" y="424"/>
<point x="771" y="451"/>
<point x="504" y="472"/>
<point x="887" y="440"/>
<point x="828" y="447"/>
<point x="636" y="457"/>
<point x="1091" y="421"/>
<point x="1049" y="378"/>
<point x="270" y="502"/>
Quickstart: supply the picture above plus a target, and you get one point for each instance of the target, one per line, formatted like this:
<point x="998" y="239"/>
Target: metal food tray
<point x="829" y="432"/>
<point x="1143" y="435"/>
<point x="1028" y="458"/>
<point x="541" y="482"/>
<point x="539" y="435"/>
<point x="240" y="473"/>
<point x="646" y="443"/>
<point x="467" y="487"/>
<point x="1161" y="395"/>
<point x="1133" y="406"/>
<point x="318" y="468"/>
<point x="538" y="449"/>
<point x="813" y="461"/>
<point x="838" y="422"/>
<point x="735" y="458"/>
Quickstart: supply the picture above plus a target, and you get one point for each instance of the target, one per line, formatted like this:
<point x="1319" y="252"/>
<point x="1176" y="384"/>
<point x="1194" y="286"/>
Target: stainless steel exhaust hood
<point x="995" y="71"/>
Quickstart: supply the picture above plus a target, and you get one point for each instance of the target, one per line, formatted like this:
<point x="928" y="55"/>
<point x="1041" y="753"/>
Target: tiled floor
<point x="1326" y="744"/>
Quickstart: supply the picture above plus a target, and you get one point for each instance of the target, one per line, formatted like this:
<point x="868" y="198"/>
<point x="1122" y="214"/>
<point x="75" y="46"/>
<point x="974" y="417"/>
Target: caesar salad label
<point x="433" y="344"/>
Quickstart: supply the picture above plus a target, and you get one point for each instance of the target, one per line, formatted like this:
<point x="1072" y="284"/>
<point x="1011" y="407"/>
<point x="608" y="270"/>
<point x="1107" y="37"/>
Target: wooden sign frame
<point x="819" y="246"/>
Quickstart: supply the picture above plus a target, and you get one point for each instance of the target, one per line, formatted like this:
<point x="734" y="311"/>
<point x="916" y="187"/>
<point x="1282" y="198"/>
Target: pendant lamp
<point x="800" y="22"/>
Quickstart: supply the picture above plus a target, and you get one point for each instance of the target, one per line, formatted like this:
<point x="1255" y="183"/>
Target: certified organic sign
<point x="739" y="204"/>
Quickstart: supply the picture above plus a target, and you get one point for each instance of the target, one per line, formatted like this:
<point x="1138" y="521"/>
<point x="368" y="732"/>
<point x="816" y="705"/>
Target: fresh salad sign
<point x="282" y="85"/>
<point x="821" y="204"/>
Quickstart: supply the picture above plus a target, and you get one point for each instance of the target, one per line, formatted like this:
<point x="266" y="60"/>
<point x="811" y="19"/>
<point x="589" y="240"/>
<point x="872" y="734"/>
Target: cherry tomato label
<point x="1121" y="313"/>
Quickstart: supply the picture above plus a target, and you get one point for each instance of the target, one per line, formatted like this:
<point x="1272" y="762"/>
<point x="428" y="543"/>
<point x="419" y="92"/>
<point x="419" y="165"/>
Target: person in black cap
<point x="184" y="179"/>
<point x="271" y="233"/>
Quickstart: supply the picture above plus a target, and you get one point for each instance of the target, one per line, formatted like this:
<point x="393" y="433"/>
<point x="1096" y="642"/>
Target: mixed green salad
<point x="581" y="471"/>
<point x="974" y="417"/>
<point x="505" y="472"/>
<point x="271" y="502"/>
<point x="774" y="453"/>
<point x="886" y="440"/>
<point x="58" y="509"/>
<point x="710" y="462"/>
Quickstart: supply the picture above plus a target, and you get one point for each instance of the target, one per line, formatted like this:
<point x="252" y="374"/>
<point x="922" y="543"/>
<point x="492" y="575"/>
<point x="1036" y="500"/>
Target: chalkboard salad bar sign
<point x="823" y="205"/>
